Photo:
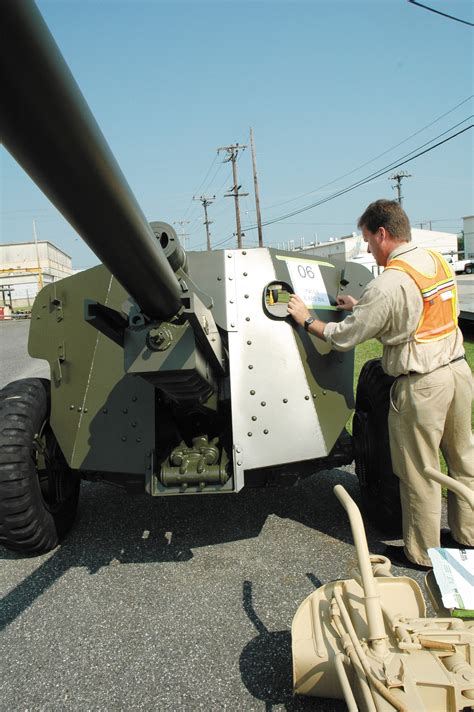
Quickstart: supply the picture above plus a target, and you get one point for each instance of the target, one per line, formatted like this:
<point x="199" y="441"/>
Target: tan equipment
<point x="367" y="639"/>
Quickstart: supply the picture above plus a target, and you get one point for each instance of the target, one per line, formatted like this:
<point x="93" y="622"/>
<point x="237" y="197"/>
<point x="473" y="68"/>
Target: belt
<point x="417" y="373"/>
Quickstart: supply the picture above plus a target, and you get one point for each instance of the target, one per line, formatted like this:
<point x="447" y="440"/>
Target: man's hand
<point x="300" y="312"/>
<point x="298" y="309"/>
<point x="346" y="303"/>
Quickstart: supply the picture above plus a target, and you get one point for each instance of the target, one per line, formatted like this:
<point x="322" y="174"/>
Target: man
<point x="411" y="308"/>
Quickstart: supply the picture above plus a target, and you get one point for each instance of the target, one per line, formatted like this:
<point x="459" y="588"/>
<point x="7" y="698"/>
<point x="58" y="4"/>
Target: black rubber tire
<point x="38" y="497"/>
<point x="379" y="486"/>
<point x="468" y="269"/>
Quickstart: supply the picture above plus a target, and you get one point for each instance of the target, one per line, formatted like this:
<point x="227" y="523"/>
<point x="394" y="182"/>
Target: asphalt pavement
<point x="14" y="360"/>
<point x="169" y="604"/>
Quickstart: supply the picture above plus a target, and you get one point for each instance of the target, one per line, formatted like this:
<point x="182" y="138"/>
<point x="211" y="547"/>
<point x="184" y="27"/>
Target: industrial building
<point x="468" y="228"/>
<point x="25" y="267"/>
<point x="353" y="248"/>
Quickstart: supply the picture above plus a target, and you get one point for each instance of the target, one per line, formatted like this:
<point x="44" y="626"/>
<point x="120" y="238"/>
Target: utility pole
<point x="425" y="222"/>
<point x="232" y="152"/>
<point x="40" y="274"/>
<point x="257" y="196"/>
<point x="183" y="234"/>
<point x="206" y="201"/>
<point x="398" y="187"/>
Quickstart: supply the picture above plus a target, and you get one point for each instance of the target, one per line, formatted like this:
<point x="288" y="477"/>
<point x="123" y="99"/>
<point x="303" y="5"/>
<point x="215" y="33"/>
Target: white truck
<point x="460" y="266"/>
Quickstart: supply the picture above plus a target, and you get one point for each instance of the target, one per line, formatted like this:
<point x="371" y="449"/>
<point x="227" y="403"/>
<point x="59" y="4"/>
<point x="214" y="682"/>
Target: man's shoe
<point x="398" y="557"/>
<point x="449" y="542"/>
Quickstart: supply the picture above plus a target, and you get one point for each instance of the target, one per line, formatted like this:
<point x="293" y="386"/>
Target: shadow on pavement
<point x="266" y="664"/>
<point x="114" y="527"/>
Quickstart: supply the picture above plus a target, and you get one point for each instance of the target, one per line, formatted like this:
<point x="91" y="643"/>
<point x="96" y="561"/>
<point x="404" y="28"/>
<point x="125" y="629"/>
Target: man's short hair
<point x="388" y="214"/>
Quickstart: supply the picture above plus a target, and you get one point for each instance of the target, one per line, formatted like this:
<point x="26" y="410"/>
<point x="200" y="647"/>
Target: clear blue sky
<point x="326" y="85"/>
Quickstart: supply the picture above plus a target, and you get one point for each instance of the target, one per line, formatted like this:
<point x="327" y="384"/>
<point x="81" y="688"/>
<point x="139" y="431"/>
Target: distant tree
<point x="461" y="242"/>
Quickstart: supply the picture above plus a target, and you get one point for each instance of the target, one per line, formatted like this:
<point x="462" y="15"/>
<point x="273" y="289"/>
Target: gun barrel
<point x="49" y="129"/>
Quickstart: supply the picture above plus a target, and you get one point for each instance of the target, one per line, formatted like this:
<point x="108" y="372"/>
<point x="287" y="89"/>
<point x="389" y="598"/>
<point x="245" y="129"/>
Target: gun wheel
<point x="379" y="486"/>
<point x="38" y="491"/>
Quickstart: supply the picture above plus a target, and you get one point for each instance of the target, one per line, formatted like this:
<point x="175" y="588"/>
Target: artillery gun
<point x="171" y="373"/>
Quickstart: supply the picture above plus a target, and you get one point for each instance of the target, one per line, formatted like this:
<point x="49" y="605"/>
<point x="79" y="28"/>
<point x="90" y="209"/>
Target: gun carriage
<point x="171" y="373"/>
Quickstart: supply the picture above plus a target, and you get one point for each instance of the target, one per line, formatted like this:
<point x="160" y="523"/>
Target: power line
<point x="223" y="242"/>
<point x="444" y="220"/>
<point x="367" y="180"/>
<point x="395" y="164"/>
<point x="371" y="177"/>
<point x="219" y="201"/>
<point x="362" y="165"/>
<point x="226" y="180"/>
<point x="361" y="182"/>
<point x="183" y="235"/>
<point x="208" y="185"/>
<point x="316" y="224"/>
<point x="201" y="184"/>
<point x="205" y="177"/>
<point x="438" y="12"/>
<point x="423" y="128"/>
<point x="205" y="190"/>
<point x="25" y="211"/>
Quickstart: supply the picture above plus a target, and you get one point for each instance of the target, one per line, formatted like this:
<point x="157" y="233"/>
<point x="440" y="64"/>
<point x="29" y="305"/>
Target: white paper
<point x="308" y="283"/>
<point x="454" y="573"/>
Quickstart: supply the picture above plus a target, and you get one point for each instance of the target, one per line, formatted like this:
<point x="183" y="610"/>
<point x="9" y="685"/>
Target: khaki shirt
<point x="390" y="310"/>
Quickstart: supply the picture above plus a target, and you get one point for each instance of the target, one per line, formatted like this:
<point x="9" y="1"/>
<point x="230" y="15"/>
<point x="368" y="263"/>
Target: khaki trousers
<point x="428" y="412"/>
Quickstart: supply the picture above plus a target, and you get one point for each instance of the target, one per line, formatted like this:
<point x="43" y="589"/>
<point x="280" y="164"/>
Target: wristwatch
<point x="308" y="322"/>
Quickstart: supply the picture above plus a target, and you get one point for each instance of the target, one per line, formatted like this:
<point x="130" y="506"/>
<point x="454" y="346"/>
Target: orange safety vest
<point x="439" y="317"/>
